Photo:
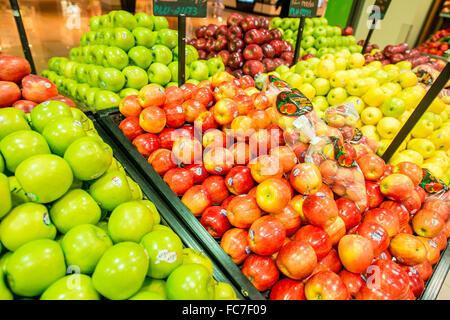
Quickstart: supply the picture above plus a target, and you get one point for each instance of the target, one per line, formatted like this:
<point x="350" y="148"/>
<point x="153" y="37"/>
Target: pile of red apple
<point x="245" y="45"/>
<point x="437" y="44"/>
<point x="392" y="54"/>
<point x="20" y="89"/>
<point x="216" y="146"/>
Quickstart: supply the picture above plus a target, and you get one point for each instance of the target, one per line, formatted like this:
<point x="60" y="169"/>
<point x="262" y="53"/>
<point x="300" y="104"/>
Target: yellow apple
<point x="340" y="63"/>
<point x="434" y="168"/>
<point x="376" y="64"/>
<point x="357" y="102"/>
<point x="345" y="52"/>
<point x="407" y="79"/>
<point x="374" y="97"/>
<point x="394" y="86"/>
<point x="404" y="65"/>
<point x="410" y="100"/>
<point x="440" y="157"/>
<point x="322" y="86"/>
<point x="308" y="90"/>
<point x="339" y="79"/>
<point x="320" y="103"/>
<point x="415" y="156"/>
<point x="441" y="138"/>
<point x="371" y="116"/>
<point x="422" y="129"/>
<point x="437" y="106"/>
<point x="356" y="60"/>
<point x="383" y="144"/>
<point x="294" y="80"/>
<point x="372" y="82"/>
<point x="325" y="68"/>
<point x="370" y="132"/>
<point x="388" y="127"/>
<point x="424" y="146"/>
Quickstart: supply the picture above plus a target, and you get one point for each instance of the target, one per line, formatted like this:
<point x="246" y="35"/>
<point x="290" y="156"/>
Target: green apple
<point x="81" y="72"/>
<point x="88" y="150"/>
<point x="154" y="285"/>
<point x="199" y="70"/>
<point x="190" y="282"/>
<point x="286" y="23"/>
<point x="423" y="146"/>
<point x="121" y="271"/>
<point x="215" y="65"/>
<point x="2" y="163"/>
<point x="123" y="38"/>
<point x="145" y="37"/>
<point x="71" y="287"/>
<point x="224" y="291"/>
<point x="146" y="295"/>
<point x="282" y="69"/>
<point x="135" y="190"/>
<point x="33" y="267"/>
<point x="90" y="96"/>
<point x="130" y="221"/>
<point x="307" y="42"/>
<point x="143" y="20"/>
<point x="76" y="207"/>
<point x="294" y="80"/>
<point x="152" y="208"/>
<point x="140" y="56"/>
<point x="81" y="91"/>
<point x="94" y="75"/>
<point x="105" y="99"/>
<point x="288" y="34"/>
<point x="94" y="23"/>
<point x="336" y="96"/>
<point x="17" y="193"/>
<point x="71" y="87"/>
<point x="160" y="74"/>
<point x="84" y="245"/>
<point x="5" y="294"/>
<point x="165" y="251"/>
<point x="135" y="77"/>
<point x="122" y="18"/>
<point x="320" y="103"/>
<point x="5" y="195"/>
<point x="20" y="145"/>
<point x="393" y="107"/>
<point x="127" y="92"/>
<point x="26" y="222"/>
<point x="69" y="70"/>
<point x="61" y="132"/>
<point x="105" y="21"/>
<point x="193" y="81"/>
<point x="46" y="111"/>
<point x="308" y="76"/>
<point x="322" y="86"/>
<point x="275" y="22"/>
<point x="115" y="57"/>
<point x="110" y="190"/>
<point x="160" y="23"/>
<point x="371" y="116"/>
<point x="167" y="37"/>
<point x="111" y="79"/>
<point x="388" y="127"/>
<point x="193" y="256"/>
<point x="161" y="54"/>
<point x="44" y="177"/>
<point x="173" y="67"/>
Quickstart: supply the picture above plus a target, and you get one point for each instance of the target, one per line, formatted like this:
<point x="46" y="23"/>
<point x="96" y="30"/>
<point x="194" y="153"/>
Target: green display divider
<point x="109" y="120"/>
<point x="338" y="12"/>
<point x="168" y="217"/>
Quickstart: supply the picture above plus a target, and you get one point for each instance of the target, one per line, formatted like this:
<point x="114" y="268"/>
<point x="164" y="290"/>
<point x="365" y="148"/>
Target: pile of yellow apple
<point x="384" y="96"/>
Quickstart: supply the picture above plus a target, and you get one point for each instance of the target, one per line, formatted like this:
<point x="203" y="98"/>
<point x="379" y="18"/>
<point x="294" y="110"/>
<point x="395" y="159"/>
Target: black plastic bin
<point x="168" y="218"/>
<point x="110" y="119"/>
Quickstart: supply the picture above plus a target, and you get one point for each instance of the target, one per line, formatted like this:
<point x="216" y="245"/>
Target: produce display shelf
<point x="168" y="218"/>
<point x="434" y="56"/>
<point x="434" y="284"/>
<point x="444" y="15"/>
<point x="109" y="119"/>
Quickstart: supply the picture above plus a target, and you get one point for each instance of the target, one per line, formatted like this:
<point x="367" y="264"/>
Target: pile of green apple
<point x="121" y="54"/>
<point x="74" y="225"/>
<point x="318" y="38"/>
<point x="384" y="96"/>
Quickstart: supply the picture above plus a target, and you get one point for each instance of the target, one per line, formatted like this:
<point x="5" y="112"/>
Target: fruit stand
<point x="258" y="177"/>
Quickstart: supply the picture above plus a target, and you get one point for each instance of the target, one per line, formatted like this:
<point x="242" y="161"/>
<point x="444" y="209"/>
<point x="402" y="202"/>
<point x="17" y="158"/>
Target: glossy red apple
<point x="239" y="180"/>
<point x="25" y="105"/>
<point x="9" y="93"/>
<point x="374" y="196"/>
<point x="316" y="237"/>
<point x="296" y="259"/>
<point x="320" y="210"/>
<point x="37" y="89"/>
<point x="215" y="221"/>
<point x="243" y="210"/>
<point x="325" y="285"/>
<point x="376" y="234"/>
<point x="287" y="289"/>
<point x="234" y="243"/>
<point x="197" y="199"/>
<point x="261" y="271"/>
<point x="266" y="235"/>
<point x="13" y="68"/>
<point x="349" y="212"/>
<point x="217" y="189"/>
<point x="162" y="160"/>
<point x="179" y="180"/>
<point x="352" y="281"/>
<point x="146" y="143"/>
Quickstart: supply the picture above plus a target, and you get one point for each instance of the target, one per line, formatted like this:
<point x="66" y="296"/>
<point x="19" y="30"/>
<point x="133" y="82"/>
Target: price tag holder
<point x="303" y="8"/>
<point x="176" y="8"/>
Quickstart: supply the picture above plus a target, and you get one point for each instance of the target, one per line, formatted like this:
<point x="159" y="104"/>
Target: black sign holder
<point x="297" y="9"/>
<point x="22" y="34"/>
<point x="299" y="39"/>
<point x="181" y="49"/>
<point x="427" y="100"/>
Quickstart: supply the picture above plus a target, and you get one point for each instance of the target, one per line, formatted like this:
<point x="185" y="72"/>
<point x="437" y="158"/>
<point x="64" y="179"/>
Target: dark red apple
<point x="253" y="67"/>
<point x="248" y="23"/>
<point x="275" y="34"/>
<point x="253" y="52"/>
<point x="253" y="36"/>
<point x="200" y="32"/>
<point x="234" y="19"/>
<point x="236" y="60"/>
<point x="221" y="31"/>
<point x="211" y="30"/>
<point x="269" y="64"/>
<point x="277" y="46"/>
<point x="236" y="45"/>
<point x="225" y="56"/>
<point x="200" y="43"/>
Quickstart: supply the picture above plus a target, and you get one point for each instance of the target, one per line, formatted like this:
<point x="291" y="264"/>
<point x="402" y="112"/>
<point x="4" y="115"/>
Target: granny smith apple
<point x="46" y="111"/>
<point x="224" y="291"/>
<point x="90" y="96"/>
<point x="110" y="190"/>
<point x="154" y="285"/>
<point x="105" y="99"/>
<point x="84" y="245"/>
<point x="130" y="221"/>
<point x="61" y="132"/>
<point x="20" y="145"/>
<point x="115" y="57"/>
<point x="17" y="193"/>
<point x="93" y="72"/>
<point x="190" y="282"/>
<point x="307" y="42"/>
<point x="136" y="192"/>
<point x="12" y="119"/>
<point x="88" y="150"/>
<point x="71" y="287"/>
<point x="94" y="23"/>
<point x="160" y="74"/>
<point x="135" y="77"/>
<point x="165" y="251"/>
<point x="191" y="54"/>
<point x="199" y="70"/>
<point x="2" y="163"/>
<point x="111" y="79"/>
<point x="140" y="56"/>
<point x="105" y="21"/>
<point x="122" y="18"/>
<point x="5" y="195"/>
<point x="215" y="65"/>
<point x="5" y="293"/>
<point x="275" y="22"/>
<point x="76" y="207"/>
<point x="123" y="38"/>
<point x="393" y="107"/>
<point x="145" y="37"/>
<point x="144" y="20"/>
<point x="33" y="267"/>
<point x="193" y="81"/>
<point x="45" y="177"/>
<point x="153" y="210"/>
<point x="193" y="256"/>
<point x="69" y="70"/>
<point x="146" y="295"/>
<point x="3" y="260"/>
<point x="167" y="37"/>
<point x="161" y="54"/>
<point x="127" y="92"/>
<point x="26" y="222"/>
<point x="173" y="67"/>
<point x="160" y="23"/>
<point x="121" y="271"/>
<point x="53" y="63"/>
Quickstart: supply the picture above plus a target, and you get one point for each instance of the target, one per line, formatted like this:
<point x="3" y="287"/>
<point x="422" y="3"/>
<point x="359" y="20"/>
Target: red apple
<point x="401" y="210"/>
<point x="261" y="271"/>
<point x="438" y="206"/>
<point x="179" y="180"/>
<point x="216" y="188"/>
<point x="412" y="170"/>
<point x="197" y="199"/>
<point x="290" y="218"/>
<point x="204" y="95"/>
<point x="218" y="160"/>
<point x="162" y="161"/>
<point x="397" y="187"/>
<point x="275" y="34"/>
<point x="9" y="93"/>
<point x="234" y="243"/>
<point x="320" y="210"/>
<point x="277" y="45"/>
<point x="416" y="283"/>
<point x="187" y="150"/>
<point x="373" y="293"/>
<point x="13" y="68"/>
<point x="249" y="22"/>
<point x="266" y="235"/>
<point x="234" y="19"/>
<point x="268" y="51"/>
<point x="325" y="285"/>
<point x="215" y="221"/>
<point x="239" y="180"/>
<point x="253" y="52"/>
<point x="253" y="67"/>
<point x="355" y="253"/>
<point x="287" y="289"/>
<point x="387" y="276"/>
<point x="243" y="210"/>
<point x="349" y="212"/>
<point x="146" y="143"/>
<point x="317" y="238"/>
<point x="387" y="218"/>
<point x="25" y="105"/>
<point x="427" y="223"/>
<point x="188" y="89"/>
<point x="296" y="259"/>
<point x="61" y="98"/>
<point x="376" y="234"/>
<point x="372" y="166"/>
<point x="331" y="261"/>
<point x="352" y="281"/>
<point x="37" y="89"/>
<point x="175" y="116"/>
<point x="374" y="196"/>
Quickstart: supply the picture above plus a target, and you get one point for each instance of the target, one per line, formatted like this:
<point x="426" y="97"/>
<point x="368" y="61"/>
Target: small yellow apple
<point x="383" y="144"/>
<point x="441" y="138"/>
<point x="422" y="129"/>
<point x="388" y="127"/>
<point x="371" y="115"/>
<point x="370" y="131"/>
<point x="357" y="102"/>
<point x="308" y="90"/>
<point x="407" y="79"/>
<point x="414" y="156"/>
<point x="437" y="106"/>
<point x="424" y="146"/>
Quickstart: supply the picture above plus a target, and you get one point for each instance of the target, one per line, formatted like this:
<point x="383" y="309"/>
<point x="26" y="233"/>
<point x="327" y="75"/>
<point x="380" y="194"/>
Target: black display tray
<point x="168" y="218"/>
